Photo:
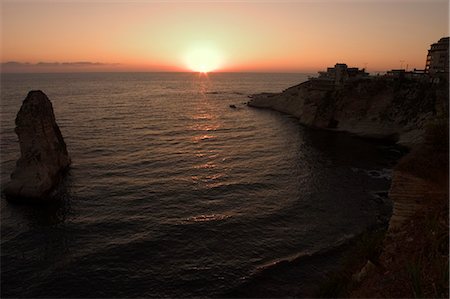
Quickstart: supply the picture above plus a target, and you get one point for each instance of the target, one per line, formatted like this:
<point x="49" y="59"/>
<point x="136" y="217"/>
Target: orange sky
<point x="292" y="36"/>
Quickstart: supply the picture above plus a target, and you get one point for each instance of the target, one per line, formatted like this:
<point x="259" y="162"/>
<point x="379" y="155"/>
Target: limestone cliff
<point x="376" y="107"/>
<point x="414" y="257"/>
<point x="43" y="151"/>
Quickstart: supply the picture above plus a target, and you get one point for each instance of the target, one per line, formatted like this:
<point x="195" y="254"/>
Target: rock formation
<point x="376" y="108"/>
<point x="44" y="156"/>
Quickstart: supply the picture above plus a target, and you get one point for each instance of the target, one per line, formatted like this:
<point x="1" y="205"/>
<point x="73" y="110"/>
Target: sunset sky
<point x="283" y="36"/>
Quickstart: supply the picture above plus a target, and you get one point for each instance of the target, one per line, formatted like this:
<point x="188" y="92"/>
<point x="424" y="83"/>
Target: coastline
<point x="414" y="191"/>
<point x="378" y="108"/>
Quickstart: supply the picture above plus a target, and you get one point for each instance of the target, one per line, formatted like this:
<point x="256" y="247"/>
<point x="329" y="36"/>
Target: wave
<point x="300" y="256"/>
<point x="295" y="275"/>
<point x="225" y="92"/>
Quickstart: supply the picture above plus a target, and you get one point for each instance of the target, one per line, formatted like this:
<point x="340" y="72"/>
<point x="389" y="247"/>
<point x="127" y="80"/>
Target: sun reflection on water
<point x="206" y="218"/>
<point x="203" y="137"/>
<point x="209" y="168"/>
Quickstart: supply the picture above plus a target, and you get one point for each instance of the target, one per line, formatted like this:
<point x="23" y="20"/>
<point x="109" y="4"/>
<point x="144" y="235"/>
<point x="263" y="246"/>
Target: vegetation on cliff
<point x="410" y="260"/>
<point x="414" y="261"/>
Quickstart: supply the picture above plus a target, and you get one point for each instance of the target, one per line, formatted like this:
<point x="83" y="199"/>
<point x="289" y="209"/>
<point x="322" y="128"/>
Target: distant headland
<point x="395" y="106"/>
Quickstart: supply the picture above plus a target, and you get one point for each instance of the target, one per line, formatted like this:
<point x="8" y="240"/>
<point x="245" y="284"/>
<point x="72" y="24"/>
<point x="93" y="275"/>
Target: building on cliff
<point x="404" y="74"/>
<point x="436" y="67"/>
<point x="437" y="58"/>
<point x="337" y="77"/>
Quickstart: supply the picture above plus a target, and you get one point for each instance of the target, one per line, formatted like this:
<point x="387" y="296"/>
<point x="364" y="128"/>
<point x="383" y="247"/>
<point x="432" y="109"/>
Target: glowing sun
<point x="203" y="59"/>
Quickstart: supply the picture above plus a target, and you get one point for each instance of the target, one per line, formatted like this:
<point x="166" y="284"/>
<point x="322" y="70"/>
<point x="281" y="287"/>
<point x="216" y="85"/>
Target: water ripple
<point x="172" y="193"/>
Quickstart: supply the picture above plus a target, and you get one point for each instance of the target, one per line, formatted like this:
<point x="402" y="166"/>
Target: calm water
<point x="173" y="193"/>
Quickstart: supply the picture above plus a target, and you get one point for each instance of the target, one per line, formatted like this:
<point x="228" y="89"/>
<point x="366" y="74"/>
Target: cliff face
<point x="376" y="108"/>
<point x="43" y="150"/>
<point x="414" y="258"/>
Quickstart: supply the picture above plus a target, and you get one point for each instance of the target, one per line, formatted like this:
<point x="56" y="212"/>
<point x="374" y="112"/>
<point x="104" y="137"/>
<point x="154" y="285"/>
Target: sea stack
<point x="44" y="156"/>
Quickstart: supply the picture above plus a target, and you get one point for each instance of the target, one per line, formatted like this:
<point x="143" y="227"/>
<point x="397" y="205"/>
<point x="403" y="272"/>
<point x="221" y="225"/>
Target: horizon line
<point x="179" y="72"/>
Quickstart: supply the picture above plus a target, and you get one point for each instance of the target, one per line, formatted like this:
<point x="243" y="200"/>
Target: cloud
<point x="87" y="63"/>
<point x="55" y="64"/>
<point x="15" y="63"/>
<point x="47" y="64"/>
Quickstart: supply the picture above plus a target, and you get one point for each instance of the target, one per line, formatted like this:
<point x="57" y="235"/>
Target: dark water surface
<point x="174" y="194"/>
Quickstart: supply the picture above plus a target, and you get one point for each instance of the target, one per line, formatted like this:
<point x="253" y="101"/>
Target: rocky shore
<point x="414" y="114"/>
<point x="381" y="108"/>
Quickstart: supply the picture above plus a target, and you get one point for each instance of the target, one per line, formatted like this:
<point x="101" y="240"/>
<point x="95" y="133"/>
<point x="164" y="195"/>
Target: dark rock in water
<point x="233" y="106"/>
<point x="44" y="156"/>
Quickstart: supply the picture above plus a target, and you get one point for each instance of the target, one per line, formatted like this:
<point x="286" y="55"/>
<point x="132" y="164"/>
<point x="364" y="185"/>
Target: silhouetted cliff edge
<point x="376" y="108"/>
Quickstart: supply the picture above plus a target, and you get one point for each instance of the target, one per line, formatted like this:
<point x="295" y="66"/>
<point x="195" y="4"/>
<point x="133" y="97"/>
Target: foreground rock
<point x="44" y="156"/>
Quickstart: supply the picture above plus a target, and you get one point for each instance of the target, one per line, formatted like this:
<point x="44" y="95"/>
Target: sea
<point x="173" y="193"/>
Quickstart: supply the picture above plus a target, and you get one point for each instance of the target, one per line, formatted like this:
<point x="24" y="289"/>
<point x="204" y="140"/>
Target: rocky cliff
<point x="412" y="113"/>
<point x="44" y="155"/>
<point x="414" y="257"/>
<point x="375" y="108"/>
